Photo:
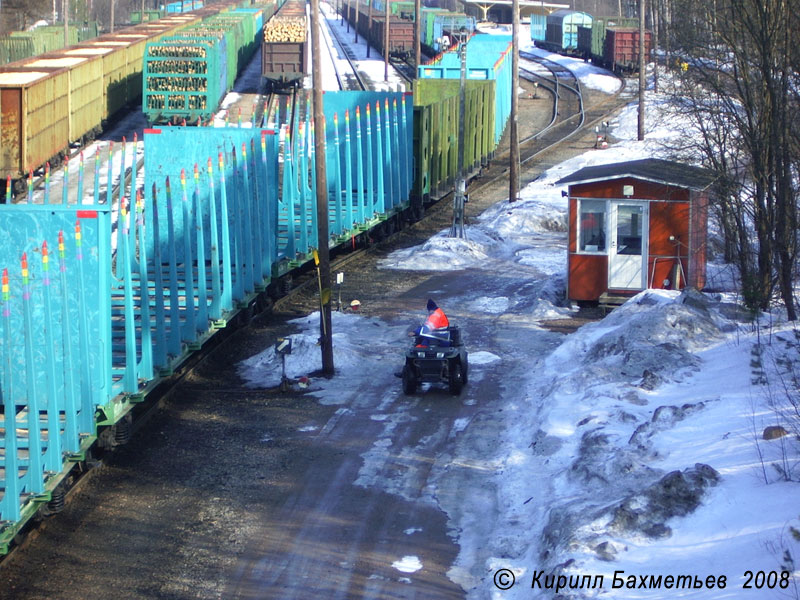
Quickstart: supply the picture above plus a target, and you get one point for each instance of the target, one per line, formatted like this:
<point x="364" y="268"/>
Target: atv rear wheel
<point x="456" y="377"/>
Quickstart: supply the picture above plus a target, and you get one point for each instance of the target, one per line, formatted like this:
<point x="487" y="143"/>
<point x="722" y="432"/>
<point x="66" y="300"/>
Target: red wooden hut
<point x="636" y="225"/>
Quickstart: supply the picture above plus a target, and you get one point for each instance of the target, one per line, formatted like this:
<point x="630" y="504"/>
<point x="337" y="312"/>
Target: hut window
<point x="592" y="226"/>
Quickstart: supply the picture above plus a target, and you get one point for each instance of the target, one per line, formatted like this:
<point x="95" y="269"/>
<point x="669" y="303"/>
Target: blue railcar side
<point x="124" y="296"/>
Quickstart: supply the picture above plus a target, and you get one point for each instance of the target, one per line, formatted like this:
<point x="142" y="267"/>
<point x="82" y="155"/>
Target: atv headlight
<point x="440" y="355"/>
<point x="420" y="355"/>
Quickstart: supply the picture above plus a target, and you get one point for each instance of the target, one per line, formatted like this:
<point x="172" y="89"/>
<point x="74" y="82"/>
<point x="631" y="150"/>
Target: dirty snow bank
<point x="634" y="449"/>
<point x="350" y="355"/>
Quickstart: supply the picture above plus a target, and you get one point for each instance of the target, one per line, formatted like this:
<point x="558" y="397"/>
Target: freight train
<point x="285" y="49"/>
<point x="439" y="29"/>
<point x="23" y="44"/>
<point x="610" y="42"/>
<point x="52" y="100"/>
<point x="102" y="301"/>
<point x="186" y="74"/>
<point x="436" y="118"/>
<point x="171" y="8"/>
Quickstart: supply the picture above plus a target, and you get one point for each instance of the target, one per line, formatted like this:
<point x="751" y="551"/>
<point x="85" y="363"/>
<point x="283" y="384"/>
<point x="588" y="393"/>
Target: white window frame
<point x="578" y="219"/>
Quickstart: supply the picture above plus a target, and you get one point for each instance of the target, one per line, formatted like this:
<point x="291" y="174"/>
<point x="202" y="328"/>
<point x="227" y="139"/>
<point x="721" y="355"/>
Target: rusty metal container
<point x="284" y="63"/>
<point x="621" y="48"/>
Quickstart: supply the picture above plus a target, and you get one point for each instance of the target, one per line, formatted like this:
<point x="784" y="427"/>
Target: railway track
<point x="570" y="116"/>
<point x="405" y="69"/>
<point x="347" y="81"/>
<point x="566" y="90"/>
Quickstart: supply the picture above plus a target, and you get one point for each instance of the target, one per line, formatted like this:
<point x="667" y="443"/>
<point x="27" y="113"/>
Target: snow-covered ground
<point x="634" y="447"/>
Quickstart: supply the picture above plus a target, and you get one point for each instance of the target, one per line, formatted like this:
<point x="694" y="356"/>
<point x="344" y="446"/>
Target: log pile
<point x="285" y="29"/>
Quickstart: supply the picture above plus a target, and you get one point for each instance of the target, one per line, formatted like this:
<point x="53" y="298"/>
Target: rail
<point x="346" y="81"/>
<point x="562" y="126"/>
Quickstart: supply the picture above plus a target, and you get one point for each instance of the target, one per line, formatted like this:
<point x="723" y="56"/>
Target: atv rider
<point x="434" y="332"/>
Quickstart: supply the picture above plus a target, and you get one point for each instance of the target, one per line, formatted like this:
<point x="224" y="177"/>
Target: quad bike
<point x="437" y="356"/>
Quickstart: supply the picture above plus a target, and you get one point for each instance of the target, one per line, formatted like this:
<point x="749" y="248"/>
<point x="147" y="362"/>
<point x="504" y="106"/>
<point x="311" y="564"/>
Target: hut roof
<point x="648" y="169"/>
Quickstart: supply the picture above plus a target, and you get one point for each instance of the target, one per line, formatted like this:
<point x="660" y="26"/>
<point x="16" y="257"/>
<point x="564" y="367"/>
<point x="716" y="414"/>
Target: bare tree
<point x="19" y="14"/>
<point x="740" y="77"/>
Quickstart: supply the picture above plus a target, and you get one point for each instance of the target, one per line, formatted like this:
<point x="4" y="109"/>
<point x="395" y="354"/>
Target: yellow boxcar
<point x="133" y="44"/>
<point x="34" y="118"/>
<point x="85" y="90"/>
<point x="115" y="93"/>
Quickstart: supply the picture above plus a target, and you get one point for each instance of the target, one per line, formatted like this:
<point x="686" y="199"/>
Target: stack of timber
<point x="286" y="29"/>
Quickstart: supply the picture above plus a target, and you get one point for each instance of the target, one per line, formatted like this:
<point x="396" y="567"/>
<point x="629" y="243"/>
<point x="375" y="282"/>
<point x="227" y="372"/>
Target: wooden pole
<point x="642" y="73"/>
<point x="326" y="338"/>
<point x="355" y="27"/>
<point x="654" y="23"/>
<point x="65" y="6"/>
<point x="417" y="26"/>
<point x="386" y="44"/>
<point x="513" y="171"/>
<point x="457" y="228"/>
<point x="369" y="26"/>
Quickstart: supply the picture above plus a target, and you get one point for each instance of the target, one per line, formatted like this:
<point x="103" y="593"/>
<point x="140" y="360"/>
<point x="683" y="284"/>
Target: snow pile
<point x="641" y="451"/>
<point x="350" y="353"/>
<point x="444" y="253"/>
<point x="649" y="337"/>
<point x="598" y="399"/>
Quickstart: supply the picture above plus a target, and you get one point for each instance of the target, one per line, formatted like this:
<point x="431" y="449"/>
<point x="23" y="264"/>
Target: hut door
<point x="628" y="247"/>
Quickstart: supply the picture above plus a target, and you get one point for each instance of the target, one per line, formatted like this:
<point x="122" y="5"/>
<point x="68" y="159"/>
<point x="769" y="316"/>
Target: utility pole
<point x="386" y="44"/>
<point x="326" y="337"/>
<point x="65" y="7"/>
<point x="112" y="15"/>
<point x="369" y="24"/>
<point x="642" y="73"/>
<point x="457" y="228"/>
<point x="417" y="16"/>
<point x="513" y="171"/>
<point x="654" y="13"/>
<point x="355" y="27"/>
